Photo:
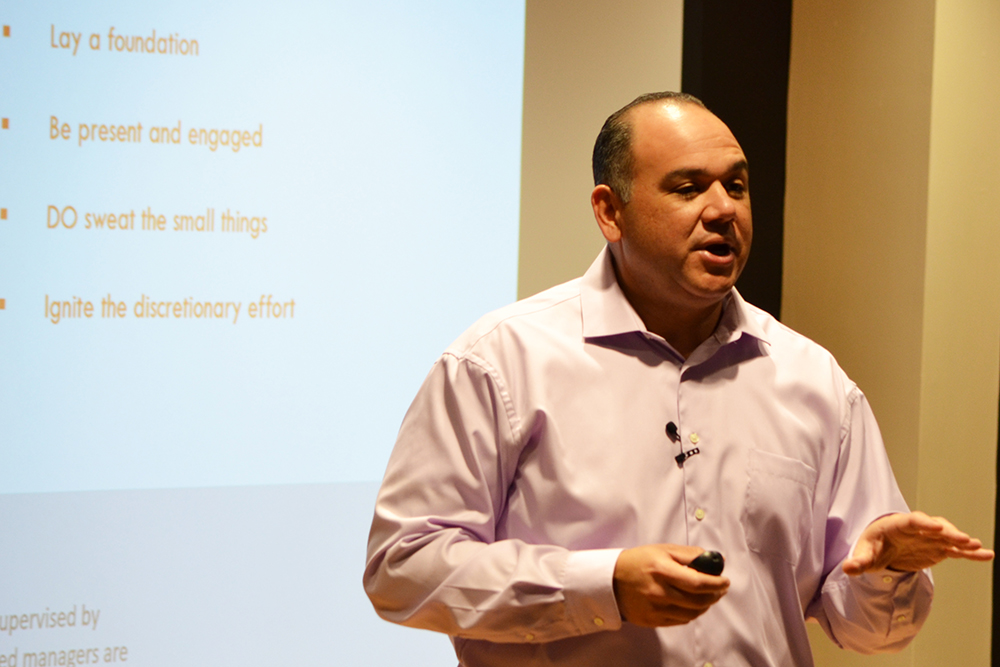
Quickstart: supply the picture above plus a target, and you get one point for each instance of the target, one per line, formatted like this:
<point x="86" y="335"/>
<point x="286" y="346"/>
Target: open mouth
<point x="720" y="249"/>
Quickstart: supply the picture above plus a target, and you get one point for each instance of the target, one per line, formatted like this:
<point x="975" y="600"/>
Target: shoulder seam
<point x="513" y="421"/>
<point x="853" y="396"/>
<point x="498" y="323"/>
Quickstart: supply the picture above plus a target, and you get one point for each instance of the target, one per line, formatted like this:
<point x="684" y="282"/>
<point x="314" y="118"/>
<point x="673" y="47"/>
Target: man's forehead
<point x="679" y="129"/>
<point x="736" y="167"/>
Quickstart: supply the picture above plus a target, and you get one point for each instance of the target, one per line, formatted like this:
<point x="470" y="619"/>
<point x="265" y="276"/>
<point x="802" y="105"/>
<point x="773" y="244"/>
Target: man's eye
<point x="736" y="189"/>
<point x="688" y="190"/>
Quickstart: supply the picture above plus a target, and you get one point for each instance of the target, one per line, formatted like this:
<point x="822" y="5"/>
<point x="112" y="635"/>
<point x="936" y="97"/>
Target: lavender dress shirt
<point x="537" y="449"/>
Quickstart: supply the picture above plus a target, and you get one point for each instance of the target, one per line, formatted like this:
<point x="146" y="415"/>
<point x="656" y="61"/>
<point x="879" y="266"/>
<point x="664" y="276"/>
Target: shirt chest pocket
<point x="777" y="512"/>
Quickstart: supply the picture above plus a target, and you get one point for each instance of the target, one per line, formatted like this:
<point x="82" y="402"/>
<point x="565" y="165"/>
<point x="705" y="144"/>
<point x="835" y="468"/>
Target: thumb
<point x="862" y="558"/>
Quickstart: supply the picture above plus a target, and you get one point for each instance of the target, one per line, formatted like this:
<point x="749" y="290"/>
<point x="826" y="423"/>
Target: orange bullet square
<point x="5" y="124"/>
<point x="3" y="214"/>
<point x="3" y="304"/>
<point x="6" y="31"/>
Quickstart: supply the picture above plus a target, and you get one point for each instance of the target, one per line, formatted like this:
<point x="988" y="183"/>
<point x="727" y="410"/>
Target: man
<point x="570" y="454"/>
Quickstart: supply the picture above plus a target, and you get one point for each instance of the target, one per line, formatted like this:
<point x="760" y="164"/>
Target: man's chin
<point x="720" y="280"/>
<point x="713" y="288"/>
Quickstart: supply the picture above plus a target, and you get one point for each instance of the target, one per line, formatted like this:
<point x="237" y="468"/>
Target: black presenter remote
<point x="710" y="562"/>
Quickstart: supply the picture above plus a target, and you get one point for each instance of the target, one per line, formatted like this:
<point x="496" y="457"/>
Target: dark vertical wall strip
<point x="735" y="59"/>
<point x="995" y="645"/>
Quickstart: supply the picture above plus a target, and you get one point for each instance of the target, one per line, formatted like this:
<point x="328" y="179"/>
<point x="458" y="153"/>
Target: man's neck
<point x="685" y="323"/>
<point x="685" y="329"/>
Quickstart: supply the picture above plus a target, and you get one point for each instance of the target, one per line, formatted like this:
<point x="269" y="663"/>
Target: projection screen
<point x="234" y="238"/>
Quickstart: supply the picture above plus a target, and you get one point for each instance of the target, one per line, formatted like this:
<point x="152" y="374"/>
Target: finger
<point x="940" y="528"/>
<point x="946" y="540"/>
<point x="950" y="531"/>
<point x="918" y="523"/>
<point x="697" y="594"/>
<point x="862" y="559"/>
<point x="696" y="600"/>
<point x="677" y="615"/>
<point x="910" y="543"/>
<point x="853" y="567"/>
<point x="980" y="555"/>
<point x="928" y="530"/>
<point x="655" y="617"/>
<point x="685" y="583"/>
<point x="692" y="582"/>
<point x="670" y="607"/>
<point x="924" y="521"/>
<point x="971" y="544"/>
<point x="684" y="554"/>
<point x="682" y="607"/>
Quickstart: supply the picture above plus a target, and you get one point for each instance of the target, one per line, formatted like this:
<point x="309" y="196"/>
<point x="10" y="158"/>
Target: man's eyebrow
<point x="738" y="166"/>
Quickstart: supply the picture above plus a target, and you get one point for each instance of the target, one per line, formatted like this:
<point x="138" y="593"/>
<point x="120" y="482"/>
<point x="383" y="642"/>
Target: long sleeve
<point x="434" y="557"/>
<point x="877" y="611"/>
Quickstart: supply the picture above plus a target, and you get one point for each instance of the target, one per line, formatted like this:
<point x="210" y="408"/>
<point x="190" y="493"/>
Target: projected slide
<point x="233" y="238"/>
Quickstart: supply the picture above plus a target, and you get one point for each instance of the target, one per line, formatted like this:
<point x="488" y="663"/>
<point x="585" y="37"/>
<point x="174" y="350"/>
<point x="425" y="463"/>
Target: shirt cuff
<point x="590" y="595"/>
<point x="907" y="596"/>
<point x="877" y="611"/>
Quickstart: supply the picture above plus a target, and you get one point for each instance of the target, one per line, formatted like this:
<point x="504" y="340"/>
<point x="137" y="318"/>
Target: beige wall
<point x="583" y="59"/>
<point x="893" y="150"/>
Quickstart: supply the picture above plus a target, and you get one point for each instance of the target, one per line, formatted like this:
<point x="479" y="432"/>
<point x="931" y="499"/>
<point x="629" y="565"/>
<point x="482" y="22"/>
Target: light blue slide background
<point x="389" y="177"/>
<point x="208" y="485"/>
<point x="262" y="575"/>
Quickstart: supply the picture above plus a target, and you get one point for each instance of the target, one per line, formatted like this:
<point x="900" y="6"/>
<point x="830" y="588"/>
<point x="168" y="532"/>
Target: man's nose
<point x="719" y="205"/>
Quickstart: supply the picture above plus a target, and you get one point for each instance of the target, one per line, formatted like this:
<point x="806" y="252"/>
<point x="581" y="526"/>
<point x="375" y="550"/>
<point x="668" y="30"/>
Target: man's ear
<point x="608" y="212"/>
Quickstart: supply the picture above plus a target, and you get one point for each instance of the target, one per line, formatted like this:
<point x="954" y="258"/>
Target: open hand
<point x="911" y="542"/>
<point x="654" y="587"/>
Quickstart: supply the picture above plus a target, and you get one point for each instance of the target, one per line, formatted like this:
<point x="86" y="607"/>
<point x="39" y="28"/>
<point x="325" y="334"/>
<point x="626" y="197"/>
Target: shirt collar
<point x="606" y="311"/>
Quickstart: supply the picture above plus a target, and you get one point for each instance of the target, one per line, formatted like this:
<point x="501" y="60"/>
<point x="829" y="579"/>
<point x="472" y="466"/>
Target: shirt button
<point x="708" y="664"/>
<point x="887" y="579"/>
<point x="900" y="619"/>
<point x="694" y="438"/>
<point x="699" y="514"/>
<point x="598" y="621"/>
<point x="528" y="637"/>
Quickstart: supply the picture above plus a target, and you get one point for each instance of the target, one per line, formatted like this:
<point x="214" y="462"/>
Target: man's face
<point x="686" y="231"/>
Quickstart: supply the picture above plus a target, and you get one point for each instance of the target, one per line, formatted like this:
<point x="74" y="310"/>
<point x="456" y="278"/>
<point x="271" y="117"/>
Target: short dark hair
<point x="612" y="160"/>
